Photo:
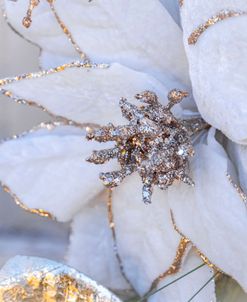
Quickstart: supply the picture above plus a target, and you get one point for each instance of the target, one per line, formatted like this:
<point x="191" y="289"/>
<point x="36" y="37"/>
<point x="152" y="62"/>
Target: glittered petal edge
<point x="43" y="73"/>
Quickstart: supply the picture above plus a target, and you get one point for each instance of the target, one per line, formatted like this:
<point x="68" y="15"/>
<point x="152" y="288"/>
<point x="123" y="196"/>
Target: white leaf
<point x="141" y="35"/>
<point x="212" y="214"/>
<point x="218" y="63"/>
<point x="91" y="247"/>
<point x="47" y="170"/>
<point x="86" y="94"/>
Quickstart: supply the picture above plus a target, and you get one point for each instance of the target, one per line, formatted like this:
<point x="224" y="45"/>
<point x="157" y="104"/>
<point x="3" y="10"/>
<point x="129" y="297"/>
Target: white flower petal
<point x="109" y="31"/>
<point x="91" y="251"/>
<point x="46" y="169"/>
<point x="238" y="154"/>
<point x="147" y="242"/>
<point x="44" y="31"/>
<point x="186" y="287"/>
<point x="91" y="245"/>
<point x="86" y="93"/>
<point x="212" y="214"/>
<point x="228" y="291"/>
<point x="218" y="63"/>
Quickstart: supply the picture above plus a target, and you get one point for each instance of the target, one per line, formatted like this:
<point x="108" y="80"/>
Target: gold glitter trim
<point x="224" y="14"/>
<point x="19" y="203"/>
<point x="52" y="283"/>
<point x="202" y="256"/>
<point x="4" y="14"/>
<point x="66" y="31"/>
<point x="175" y="267"/>
<point x="50" y="126"/>
<point x="17" y="99"/>
<point x="39" y="74"/>
<point x="239" y="190"/>
<point x="27" y="21"/>
<point x="113" y="232"/>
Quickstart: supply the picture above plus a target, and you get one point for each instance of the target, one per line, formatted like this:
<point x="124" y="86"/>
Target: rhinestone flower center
<point x="154" y="143"/>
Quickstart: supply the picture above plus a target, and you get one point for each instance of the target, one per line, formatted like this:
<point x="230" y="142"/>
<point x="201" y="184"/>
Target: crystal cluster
<point x="154" y="143"/>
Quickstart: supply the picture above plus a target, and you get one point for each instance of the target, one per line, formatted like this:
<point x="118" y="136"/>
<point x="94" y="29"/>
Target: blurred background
<point x="22" y="233"/>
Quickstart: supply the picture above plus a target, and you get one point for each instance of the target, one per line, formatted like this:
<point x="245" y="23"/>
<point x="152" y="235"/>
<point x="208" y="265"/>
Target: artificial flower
<point x="136" y="46"/>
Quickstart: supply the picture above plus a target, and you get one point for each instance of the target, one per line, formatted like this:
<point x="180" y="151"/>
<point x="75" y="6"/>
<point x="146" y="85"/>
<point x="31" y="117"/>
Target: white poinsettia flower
<point x="145" y="49"/>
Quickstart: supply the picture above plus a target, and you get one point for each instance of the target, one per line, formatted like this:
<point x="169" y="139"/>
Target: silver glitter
<point x="154" y="143"/>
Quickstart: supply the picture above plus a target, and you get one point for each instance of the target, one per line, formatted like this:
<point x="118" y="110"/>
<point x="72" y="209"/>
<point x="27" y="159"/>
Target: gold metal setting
<point x="222" y="15"/>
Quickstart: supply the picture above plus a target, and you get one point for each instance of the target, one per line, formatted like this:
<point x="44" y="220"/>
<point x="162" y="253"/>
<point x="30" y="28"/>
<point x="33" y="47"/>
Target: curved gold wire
<point x="176" y="264"/>
<point x="39" y="212"/>
<point x="202" y="256"/>
<point x="222" y="15"/>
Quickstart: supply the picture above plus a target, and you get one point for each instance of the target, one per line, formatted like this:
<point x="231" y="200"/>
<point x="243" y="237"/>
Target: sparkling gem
<point x="155" y="143"/>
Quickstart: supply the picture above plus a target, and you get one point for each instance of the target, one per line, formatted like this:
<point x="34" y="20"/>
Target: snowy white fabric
<point x="142" y="234"/>
<point x="109" y="31"/>
<point x="88" y="94"/>
<point x="218" y="63"/>
<point x="212" y="213"/>
<point x="46" y="169"/>
<point x="140" y="242"/>
<point x="91" y="245"/>
<point x="141" y="230"/>
<point x="216" y="215"/>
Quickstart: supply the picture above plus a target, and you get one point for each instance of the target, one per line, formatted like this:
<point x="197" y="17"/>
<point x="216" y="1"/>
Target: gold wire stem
<point x="65" y="29"/>
<point x="19" y="203"/>
<point x="27" y="20"/>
